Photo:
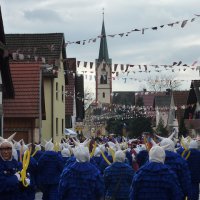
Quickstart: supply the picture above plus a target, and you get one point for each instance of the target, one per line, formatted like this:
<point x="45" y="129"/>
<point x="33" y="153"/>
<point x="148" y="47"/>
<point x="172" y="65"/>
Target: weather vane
<point x="103" y="13"/>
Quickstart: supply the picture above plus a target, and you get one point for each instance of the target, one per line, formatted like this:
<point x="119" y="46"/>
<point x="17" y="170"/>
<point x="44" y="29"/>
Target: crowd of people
<point x="153" y="168"/>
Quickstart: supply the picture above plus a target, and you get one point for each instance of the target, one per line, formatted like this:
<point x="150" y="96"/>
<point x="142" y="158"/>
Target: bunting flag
<point x="142" y="30"/>
<point x="91" y="64"/>
<point x="85" y="64"/>
<point x="115" y="67"/>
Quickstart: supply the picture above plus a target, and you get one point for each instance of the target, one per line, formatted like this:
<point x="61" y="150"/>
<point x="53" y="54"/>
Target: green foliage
<point x="161" y="129"/>
<point x="114" y="126"/>
<point x="139" y="125"/>
<point x="135" y="126"/>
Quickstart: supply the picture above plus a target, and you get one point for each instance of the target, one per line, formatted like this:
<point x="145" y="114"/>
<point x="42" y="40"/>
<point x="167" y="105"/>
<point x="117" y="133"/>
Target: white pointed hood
<point x="157" y="154"/>
<point x="8" y="140"/>
<point x="81" y="151"/>
<point x="38" y="147"/>
<point x="49" y="146"/>
<point x="65" y="152"/>
<point x="120" y="156"/>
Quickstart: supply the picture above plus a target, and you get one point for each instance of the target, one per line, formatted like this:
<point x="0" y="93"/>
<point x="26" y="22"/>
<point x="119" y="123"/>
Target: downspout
<point x="40" y="106"/>
<point x="52" y="109"/>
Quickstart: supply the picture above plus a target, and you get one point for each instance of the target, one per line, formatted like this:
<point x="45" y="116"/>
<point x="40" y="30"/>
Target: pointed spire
<point x="103" y="50"/>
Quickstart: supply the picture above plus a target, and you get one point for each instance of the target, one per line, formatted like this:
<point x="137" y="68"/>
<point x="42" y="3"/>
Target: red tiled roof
<point x="26" y="79"/>
<point x="148" y="98"/>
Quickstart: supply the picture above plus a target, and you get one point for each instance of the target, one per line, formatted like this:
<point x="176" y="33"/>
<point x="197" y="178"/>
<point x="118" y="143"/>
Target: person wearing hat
<point x="66" y="154"/>
<point x="81" y="180"/>
<point x="118" y="177"/>
<point x="9" y="168"/>
<point x="177" y="164"/>
<point x="193" y="161"/>
<point x="50" y="166"/>
<point x="155" y="180"/>
<point x="38" y="152"/>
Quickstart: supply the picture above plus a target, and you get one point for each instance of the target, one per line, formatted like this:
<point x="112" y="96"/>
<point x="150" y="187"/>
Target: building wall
<point x="53" y="126"/>
<point x="47" y="124"/>
<point x="59" y="105"/>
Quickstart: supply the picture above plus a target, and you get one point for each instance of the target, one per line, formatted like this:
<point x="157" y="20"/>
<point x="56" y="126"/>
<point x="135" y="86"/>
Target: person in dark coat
<point x="118" y="177"/>
<point x="155" y="180"/>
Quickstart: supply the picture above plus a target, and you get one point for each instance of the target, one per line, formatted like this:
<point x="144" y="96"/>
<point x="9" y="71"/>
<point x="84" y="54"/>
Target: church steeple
<point x="103" y="71"/>
<point x="103" y="50"/>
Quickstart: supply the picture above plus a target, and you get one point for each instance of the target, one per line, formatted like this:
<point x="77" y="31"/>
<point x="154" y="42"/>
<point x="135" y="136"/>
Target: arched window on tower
<point x="103" y="94"/>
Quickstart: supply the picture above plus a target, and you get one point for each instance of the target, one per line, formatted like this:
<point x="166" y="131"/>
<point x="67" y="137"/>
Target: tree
<point x="114" y="126"/>
<point x="161" y="129"/>
<point x="163" y="82"/>
<point x="139" y="125"/>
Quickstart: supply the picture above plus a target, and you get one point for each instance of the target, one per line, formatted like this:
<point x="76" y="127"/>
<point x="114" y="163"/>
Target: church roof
<point x="103" y="50"/>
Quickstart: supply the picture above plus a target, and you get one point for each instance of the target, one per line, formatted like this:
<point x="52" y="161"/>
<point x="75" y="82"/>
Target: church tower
<point x="103" y="71"/>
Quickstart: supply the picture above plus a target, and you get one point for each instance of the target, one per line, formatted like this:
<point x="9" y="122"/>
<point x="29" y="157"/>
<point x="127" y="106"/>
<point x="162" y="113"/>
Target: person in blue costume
<point x="81" y="180"/>
<point x="142" y="157"/>
<point x="155" y="180"/>
<point x="9" y="168"/>
<point x="118" y="177"/>
<point x="194" y="166"/>
<point x="38" y="152"/>
<point x="28" y="193"/>
<point x="104" y="163"/>
<point x="50" y="166"/>
<point x="178" y="165"/>
<point x="129" y="158"/>
<point x="97" y="158"/>
<point x="65" y="152"/>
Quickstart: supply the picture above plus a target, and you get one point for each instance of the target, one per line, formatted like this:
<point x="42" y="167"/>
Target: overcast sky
<point x="82" y="20"/>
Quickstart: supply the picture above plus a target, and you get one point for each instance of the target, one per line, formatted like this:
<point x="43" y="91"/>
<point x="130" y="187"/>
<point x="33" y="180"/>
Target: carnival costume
<point x="81" y="180"/>
<point x="154" y="180"/>
<point x="118" y="177"/>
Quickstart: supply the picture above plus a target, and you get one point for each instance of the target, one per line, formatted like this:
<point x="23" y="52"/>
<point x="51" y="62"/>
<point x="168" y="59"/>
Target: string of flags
<point x="141" y="30"/>
<point x="129" y="112"/>
<point x="116" y="68"/>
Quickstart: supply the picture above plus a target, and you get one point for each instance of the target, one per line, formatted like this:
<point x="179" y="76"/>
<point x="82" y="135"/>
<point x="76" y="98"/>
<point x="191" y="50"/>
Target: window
<point x="56" y="126"/>
<point x="62" y="93"/>
<point x="104" y="95"/>
<point x="103" y="79"/>
<point x="56" y="90"/>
